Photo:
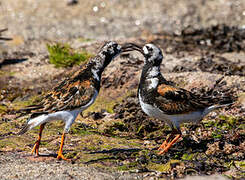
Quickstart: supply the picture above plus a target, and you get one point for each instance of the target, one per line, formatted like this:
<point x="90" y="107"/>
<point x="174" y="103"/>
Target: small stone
<point x="147" y="142"/>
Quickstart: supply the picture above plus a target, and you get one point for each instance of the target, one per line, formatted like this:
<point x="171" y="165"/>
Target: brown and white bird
<point x="72" y="96"/>
<point x="161" y="100"/>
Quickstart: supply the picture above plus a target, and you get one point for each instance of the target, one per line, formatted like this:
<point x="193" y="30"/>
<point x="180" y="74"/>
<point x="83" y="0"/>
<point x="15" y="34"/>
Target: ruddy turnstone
<point x="72" y="96"/>
<point x="161" y="100"/>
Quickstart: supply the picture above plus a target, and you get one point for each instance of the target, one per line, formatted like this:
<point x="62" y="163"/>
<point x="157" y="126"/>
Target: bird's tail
<point x="216" y="106"/>
<point x="24" y="129"/>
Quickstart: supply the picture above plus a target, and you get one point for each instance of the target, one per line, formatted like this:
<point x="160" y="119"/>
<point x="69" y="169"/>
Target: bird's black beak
<point x="131" y="47"/>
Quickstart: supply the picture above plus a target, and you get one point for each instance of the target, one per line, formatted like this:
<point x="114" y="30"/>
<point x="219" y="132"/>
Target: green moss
<point x="62" y="55"/>
<point x="208" y="123"/>
<point x="79" y="131"/>
<point x="3" y="109"/>
<point x="226" y="122"/>
<point x="128" y="166"/>
<point x="162" y="167"/>
<point x="217" y="134"/>
<point x="71" y="155"/>
<point x="241" y="126"/>
<point x="7" y="73"/>
<point x="222" y="122"/>
<point x="187" y="157"/>
<point x="240" y="164"/>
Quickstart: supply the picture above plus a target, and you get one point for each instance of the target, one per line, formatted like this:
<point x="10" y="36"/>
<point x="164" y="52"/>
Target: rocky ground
<point x="114" y="139"/>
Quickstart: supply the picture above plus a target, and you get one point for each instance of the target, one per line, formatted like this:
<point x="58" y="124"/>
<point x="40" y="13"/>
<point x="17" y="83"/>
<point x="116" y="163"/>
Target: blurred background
<point x="98" y="19"/>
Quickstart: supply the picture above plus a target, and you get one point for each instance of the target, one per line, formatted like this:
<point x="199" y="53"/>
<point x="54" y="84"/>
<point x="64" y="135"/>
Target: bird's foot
<point x="61" y="156"/>
<point x="60" y="152"/>
<point x="35" y="149"/>
<point x="166" y="146"/>
<point x="163" y="145"/>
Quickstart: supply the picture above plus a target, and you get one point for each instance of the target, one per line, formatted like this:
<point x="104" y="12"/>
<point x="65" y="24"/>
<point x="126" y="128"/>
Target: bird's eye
<point x="149" y="49"/>
<point x="114" y="46"/>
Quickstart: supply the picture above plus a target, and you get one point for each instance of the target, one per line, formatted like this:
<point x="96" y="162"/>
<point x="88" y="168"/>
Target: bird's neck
<point x="150" y="72"/>
<point x="150" y="78"/>
<point x="98" y="64"/>
<point x="153" y="72"/>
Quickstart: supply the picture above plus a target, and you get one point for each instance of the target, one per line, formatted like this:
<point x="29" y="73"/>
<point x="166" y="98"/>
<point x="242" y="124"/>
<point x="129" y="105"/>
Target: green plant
<point x="62" y="55"/>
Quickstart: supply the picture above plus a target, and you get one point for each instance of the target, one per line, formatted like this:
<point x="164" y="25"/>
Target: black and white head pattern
<point x="152" y="54"/>
<point x="106" y="54"/>
<point x="111" y="49"/>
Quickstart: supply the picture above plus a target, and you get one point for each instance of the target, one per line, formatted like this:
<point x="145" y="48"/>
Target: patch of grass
<point x="62" y="55"/>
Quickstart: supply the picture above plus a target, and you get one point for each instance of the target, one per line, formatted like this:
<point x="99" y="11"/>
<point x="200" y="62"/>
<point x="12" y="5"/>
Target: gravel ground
<point x="22" y="168"/>
<point x="26" y="169"/>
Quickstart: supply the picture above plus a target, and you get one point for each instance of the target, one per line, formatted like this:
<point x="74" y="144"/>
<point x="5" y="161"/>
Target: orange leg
<point x="60" y="152"/>
<point x="164" y="144"/>
<point x="37" y="143"/>
<point x="169" y="145"/>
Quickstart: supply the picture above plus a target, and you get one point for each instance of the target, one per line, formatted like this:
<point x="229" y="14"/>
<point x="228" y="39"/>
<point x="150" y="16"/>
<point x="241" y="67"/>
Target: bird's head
<point x="108" y="52"/>
<point x="111" y="49"/>
<point x="152" y="53"/>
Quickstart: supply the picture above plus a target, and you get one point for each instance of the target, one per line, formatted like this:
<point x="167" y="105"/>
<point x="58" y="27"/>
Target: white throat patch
<point x="145" y="50"/>
<point x="153" y="83"/>
<point x="95" y="73"/>
<point x="155" y="70"/>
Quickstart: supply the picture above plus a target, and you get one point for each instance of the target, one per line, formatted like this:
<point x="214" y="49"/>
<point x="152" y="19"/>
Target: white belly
<point x="171" y="120"/>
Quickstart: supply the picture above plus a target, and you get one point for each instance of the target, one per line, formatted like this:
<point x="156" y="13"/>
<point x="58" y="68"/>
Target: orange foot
<point x="61" y="156"/>
<point x="60" y="152"/>
<point x="166" y="146"/>
<point x="35" y="149"/>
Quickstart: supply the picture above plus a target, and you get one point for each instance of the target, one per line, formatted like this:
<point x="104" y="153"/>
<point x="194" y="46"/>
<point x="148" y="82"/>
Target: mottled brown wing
<point x="174" y="100"/>
<point x="69" y="96"/>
